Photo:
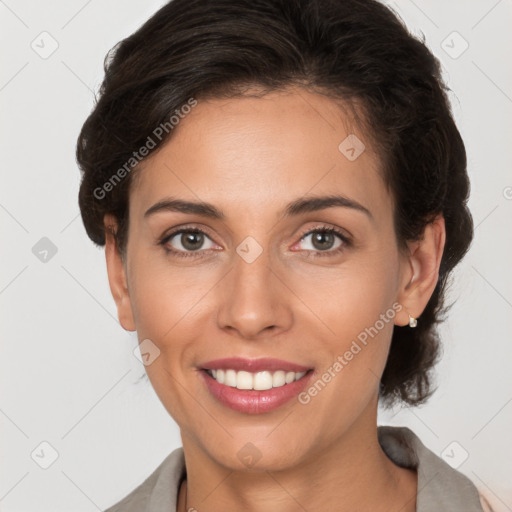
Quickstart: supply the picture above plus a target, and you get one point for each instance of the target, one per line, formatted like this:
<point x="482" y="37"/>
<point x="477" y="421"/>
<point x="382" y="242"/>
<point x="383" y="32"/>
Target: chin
<point x="243" y="455"/>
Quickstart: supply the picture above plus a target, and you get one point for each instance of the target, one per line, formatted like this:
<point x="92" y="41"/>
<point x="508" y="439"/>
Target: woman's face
<point x="265" y="280"/>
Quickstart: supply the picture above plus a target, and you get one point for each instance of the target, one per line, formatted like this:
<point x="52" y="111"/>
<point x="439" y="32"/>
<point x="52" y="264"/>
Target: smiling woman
<point x="285" y="246"/>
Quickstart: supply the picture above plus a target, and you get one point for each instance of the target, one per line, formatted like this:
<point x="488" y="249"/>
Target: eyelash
<point x="312" y="254"/>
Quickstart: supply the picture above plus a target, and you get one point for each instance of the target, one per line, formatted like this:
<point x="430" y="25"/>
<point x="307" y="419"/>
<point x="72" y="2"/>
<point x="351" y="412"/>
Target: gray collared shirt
<point x="440" y="487"/>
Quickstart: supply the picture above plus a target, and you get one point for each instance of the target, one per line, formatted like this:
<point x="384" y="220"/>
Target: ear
<point x="422" y="271"/>
<point x="116" y="271"/>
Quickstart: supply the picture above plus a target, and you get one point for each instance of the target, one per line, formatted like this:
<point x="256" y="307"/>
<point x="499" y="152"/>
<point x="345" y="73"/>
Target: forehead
<point x="263" y="152"/>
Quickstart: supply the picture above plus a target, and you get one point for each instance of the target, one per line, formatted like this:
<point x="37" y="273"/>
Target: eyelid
<point x="343" y="233"/>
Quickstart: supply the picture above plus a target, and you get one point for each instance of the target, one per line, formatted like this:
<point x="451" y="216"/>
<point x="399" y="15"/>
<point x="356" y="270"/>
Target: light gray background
<point x="68" y="373"/>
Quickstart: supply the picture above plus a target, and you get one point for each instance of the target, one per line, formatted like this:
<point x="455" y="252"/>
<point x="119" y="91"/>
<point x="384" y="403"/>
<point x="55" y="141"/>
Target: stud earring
<point x="413" y="322"/>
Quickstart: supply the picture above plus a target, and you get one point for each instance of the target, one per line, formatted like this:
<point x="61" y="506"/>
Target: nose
<point x="254" y="303"/>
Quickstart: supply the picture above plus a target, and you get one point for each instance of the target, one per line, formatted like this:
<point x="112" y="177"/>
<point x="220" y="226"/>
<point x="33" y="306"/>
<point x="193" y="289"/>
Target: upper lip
<point x="253" y="365"/>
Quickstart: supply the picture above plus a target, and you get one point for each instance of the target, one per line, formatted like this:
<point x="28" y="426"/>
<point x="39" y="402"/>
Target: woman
<point x="281" y="191"/>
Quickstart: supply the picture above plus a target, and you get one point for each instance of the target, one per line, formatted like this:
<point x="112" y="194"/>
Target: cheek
<point x="347" y="299"/>
<point x="353" y="309"/>
<point x="352" y="359"/>
<point x="163" y="295"/>
<point x="167" y="302"/>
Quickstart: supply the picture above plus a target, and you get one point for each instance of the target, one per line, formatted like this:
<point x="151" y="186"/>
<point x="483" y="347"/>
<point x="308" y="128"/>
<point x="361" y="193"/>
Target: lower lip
<point x="251" y="401"/>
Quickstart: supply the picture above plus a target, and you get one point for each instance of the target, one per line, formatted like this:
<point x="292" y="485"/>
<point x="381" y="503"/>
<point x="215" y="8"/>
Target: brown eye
<point x="185" y="241"/>
<point x="323" y="240"/>
<point x="192" y="241"/>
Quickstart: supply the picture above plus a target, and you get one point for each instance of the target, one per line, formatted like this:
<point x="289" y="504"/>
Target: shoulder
<point x="439" y="484"/>
<point x="158" y="491"/>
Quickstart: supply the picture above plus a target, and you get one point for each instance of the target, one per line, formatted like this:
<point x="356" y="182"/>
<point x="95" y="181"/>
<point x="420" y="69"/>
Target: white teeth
<point x="230" y="378"/>
<point x="244" y="380"/>
<point x="262" y="381"/>
<point x="278" y="379"/>
<point x="259" y="381"/>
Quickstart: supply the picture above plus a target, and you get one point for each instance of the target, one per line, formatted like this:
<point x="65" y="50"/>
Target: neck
<point x="342" y="476"/>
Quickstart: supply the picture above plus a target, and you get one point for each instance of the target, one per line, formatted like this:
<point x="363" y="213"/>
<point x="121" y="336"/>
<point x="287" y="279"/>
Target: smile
<point x="254" y="386"/>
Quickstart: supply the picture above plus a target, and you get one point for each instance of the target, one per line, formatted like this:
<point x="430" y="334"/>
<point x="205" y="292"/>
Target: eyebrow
<point x="299" y="206"/>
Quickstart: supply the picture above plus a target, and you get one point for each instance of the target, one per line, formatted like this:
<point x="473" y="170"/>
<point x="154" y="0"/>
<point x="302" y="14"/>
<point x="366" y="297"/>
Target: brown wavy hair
<point x="356" y="51"/>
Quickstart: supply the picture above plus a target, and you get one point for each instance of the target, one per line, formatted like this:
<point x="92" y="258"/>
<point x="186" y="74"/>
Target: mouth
<point x="254" y="386"/>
